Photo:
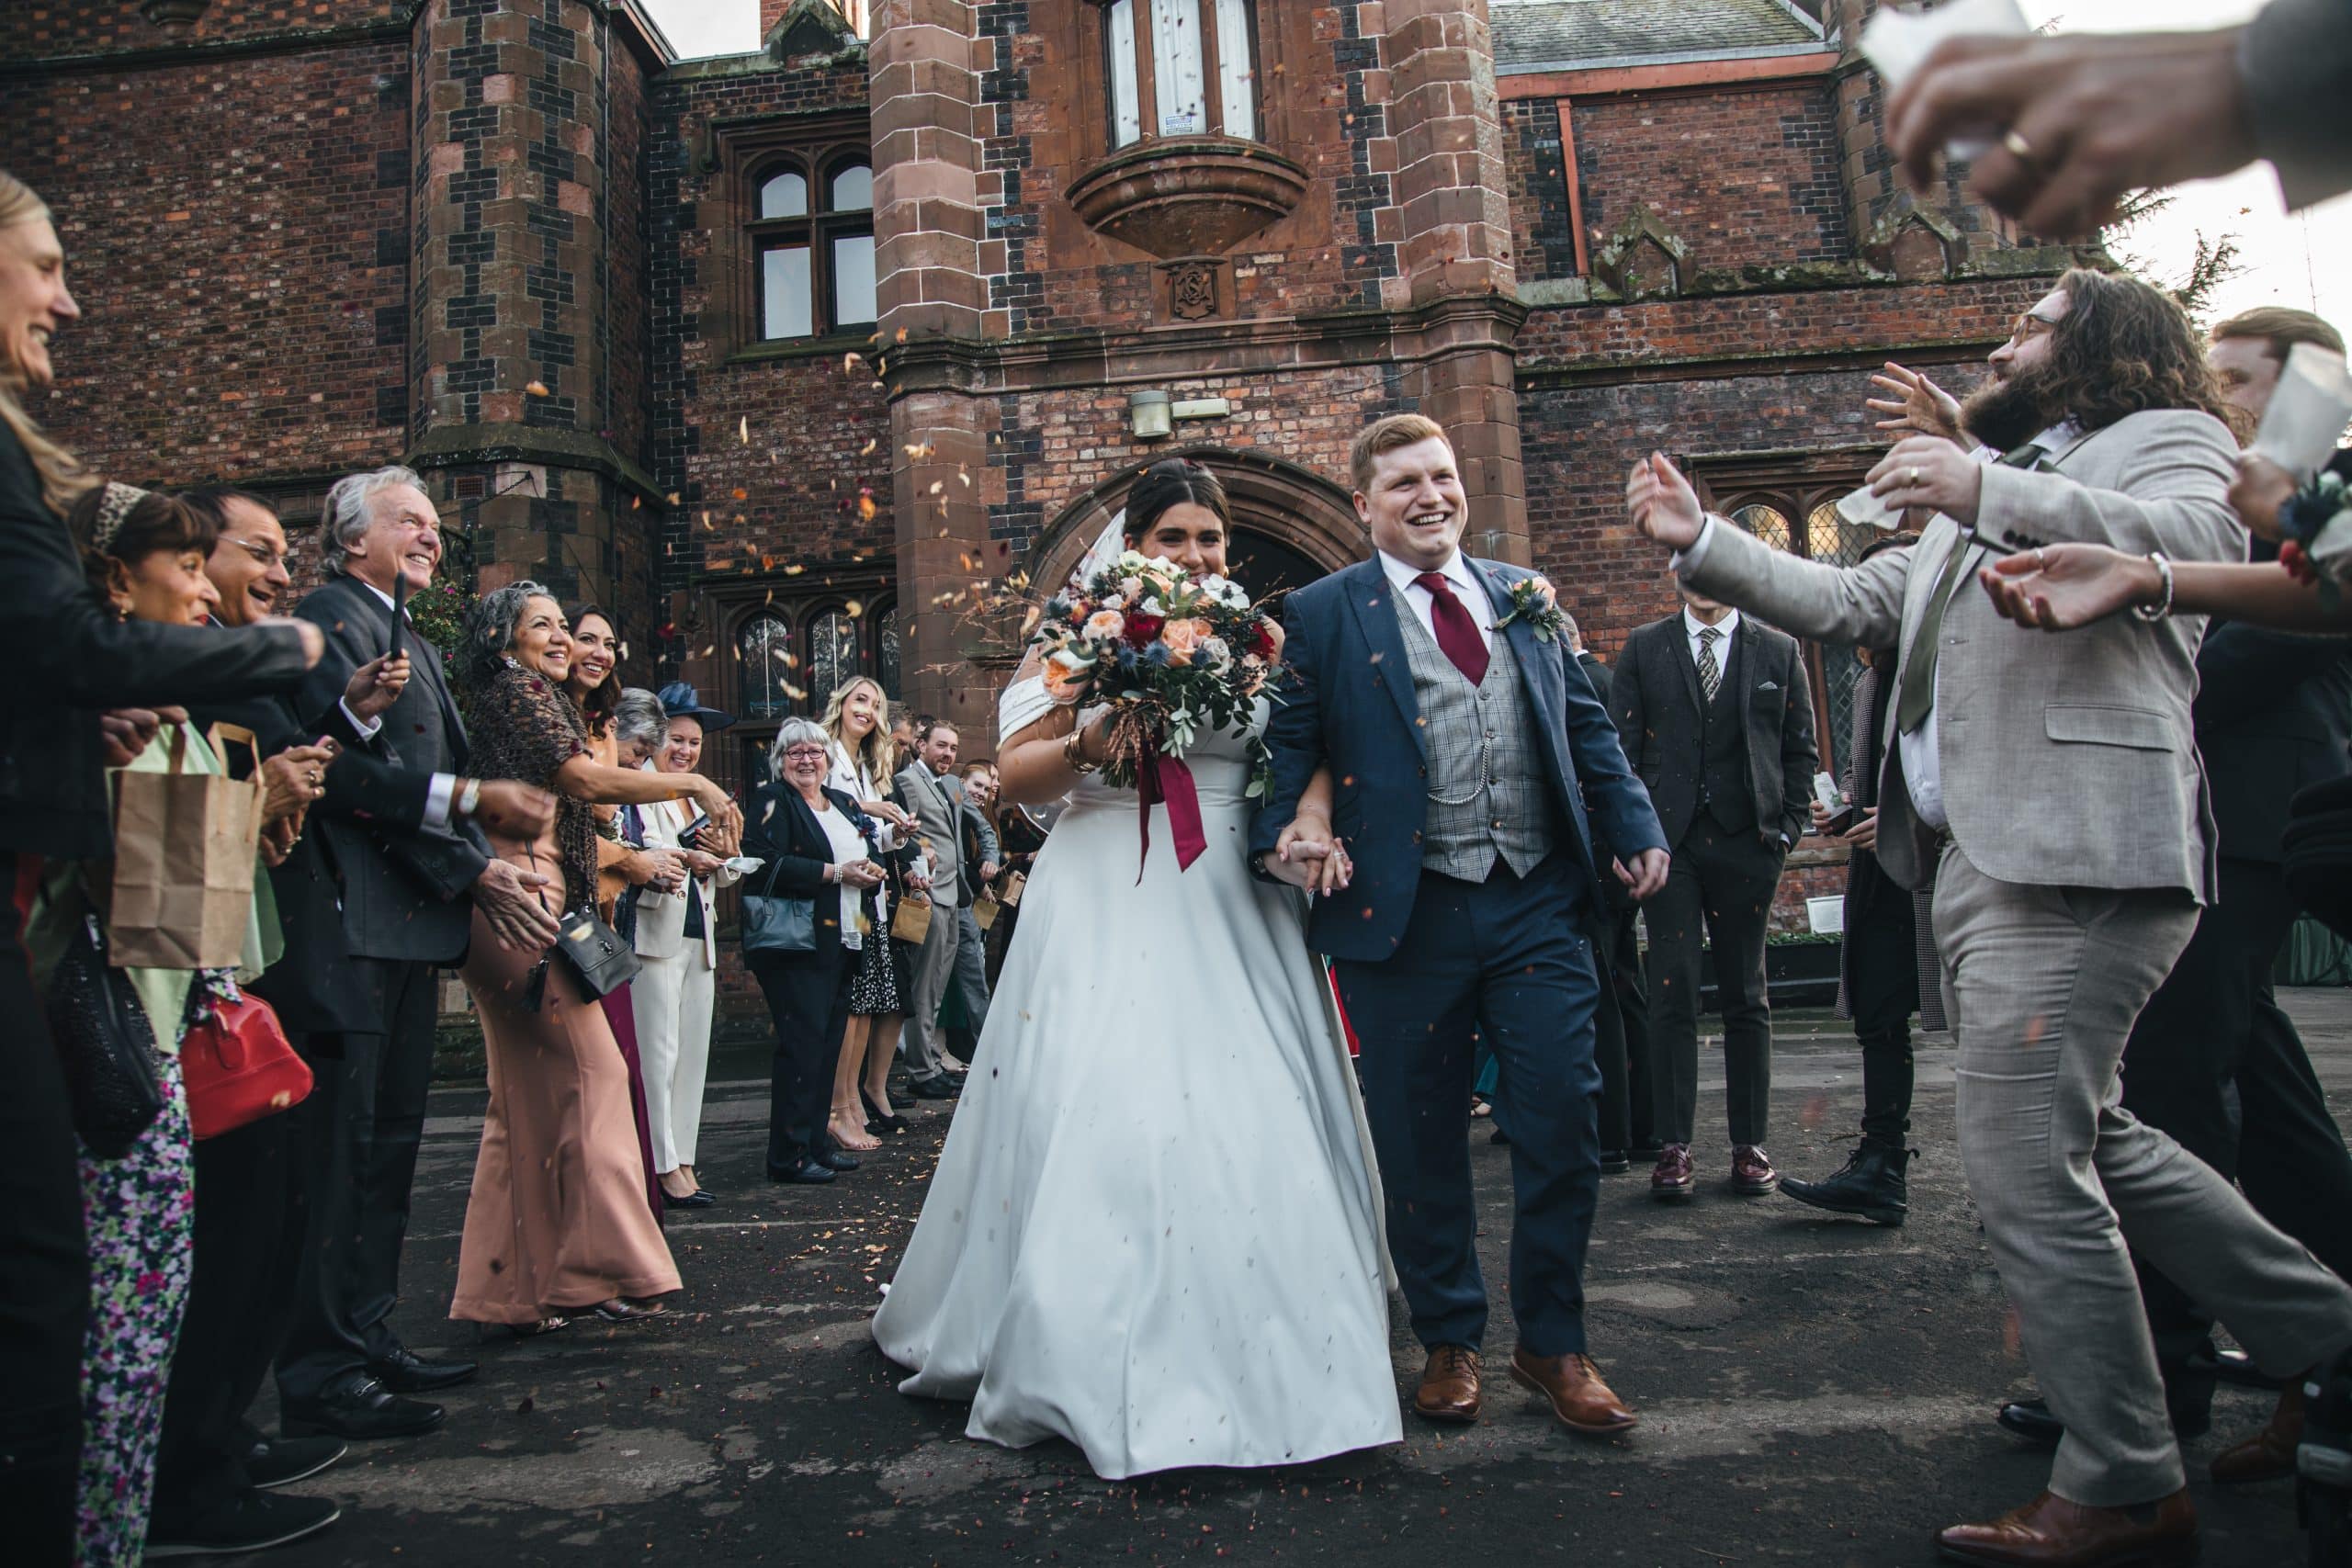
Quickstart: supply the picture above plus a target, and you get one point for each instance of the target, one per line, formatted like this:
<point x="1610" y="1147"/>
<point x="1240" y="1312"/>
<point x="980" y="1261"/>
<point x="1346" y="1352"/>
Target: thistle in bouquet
<point x="1174" y="653"/>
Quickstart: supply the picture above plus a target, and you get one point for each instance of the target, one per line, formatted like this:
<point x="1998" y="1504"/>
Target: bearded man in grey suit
<point x="2056" y="790"/>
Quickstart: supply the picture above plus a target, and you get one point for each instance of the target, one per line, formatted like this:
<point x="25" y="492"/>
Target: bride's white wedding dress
<point x="1154" y="1228"/>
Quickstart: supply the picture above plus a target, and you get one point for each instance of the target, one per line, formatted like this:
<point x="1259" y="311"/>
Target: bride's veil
<point x="1025" y="702"/>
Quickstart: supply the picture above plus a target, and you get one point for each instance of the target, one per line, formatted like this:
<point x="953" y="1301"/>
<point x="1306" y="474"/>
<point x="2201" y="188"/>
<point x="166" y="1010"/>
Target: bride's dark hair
<point x="1173" y="483"/>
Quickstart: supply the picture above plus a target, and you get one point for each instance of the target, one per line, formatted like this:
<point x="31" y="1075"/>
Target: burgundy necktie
<point x="1457" y="633"/>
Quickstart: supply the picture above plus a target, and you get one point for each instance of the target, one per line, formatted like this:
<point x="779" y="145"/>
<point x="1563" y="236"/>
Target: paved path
<point x="1815" y="1391"/>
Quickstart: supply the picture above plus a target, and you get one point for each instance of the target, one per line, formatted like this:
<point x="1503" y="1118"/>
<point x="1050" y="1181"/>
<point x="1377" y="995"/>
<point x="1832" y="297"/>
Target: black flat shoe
<point x="281" y="1461"/>
<point x="359" y="1407"/>
<point x="938" y="1088"/>
<point x="876" y="1123"/>
<point x="808" y="1171"/>
<point x="699" y="1198"/>
<point x="249" y="1521"/>
<point x="405" y="1371"/>
<point x="1614" y="1163"/>
<point x="834" y="1159"/>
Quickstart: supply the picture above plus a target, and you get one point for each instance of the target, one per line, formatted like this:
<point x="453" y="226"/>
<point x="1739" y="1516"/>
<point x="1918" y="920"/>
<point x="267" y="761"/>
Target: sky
<point x="2285" y="255"/>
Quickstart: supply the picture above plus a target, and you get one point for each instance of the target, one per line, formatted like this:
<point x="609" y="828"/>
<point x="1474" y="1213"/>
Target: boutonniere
<point x="2317" y="521"/>
<point x="1536" y="602"/>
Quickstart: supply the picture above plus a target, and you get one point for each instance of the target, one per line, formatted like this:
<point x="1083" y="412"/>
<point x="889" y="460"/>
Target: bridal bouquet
<point x="1174" y="655"/>
<point x="1174" y="652"/>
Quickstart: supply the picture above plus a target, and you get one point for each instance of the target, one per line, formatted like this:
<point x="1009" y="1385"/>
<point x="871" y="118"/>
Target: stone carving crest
<point x="1191" y="290"/>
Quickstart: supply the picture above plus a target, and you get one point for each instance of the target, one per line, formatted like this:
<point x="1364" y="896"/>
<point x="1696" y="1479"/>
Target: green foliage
<point x="2213" y="263"/>
<point x="439" y="613"/>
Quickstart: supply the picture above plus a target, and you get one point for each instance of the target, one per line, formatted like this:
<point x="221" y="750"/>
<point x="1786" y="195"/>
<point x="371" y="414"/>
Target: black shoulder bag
<point x="590" y="949"/>
<point x="106" y="1045"/>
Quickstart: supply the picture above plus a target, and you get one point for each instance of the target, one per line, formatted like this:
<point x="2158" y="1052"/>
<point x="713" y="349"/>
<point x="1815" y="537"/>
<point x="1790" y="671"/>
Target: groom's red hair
<point x="1387" y="435"/>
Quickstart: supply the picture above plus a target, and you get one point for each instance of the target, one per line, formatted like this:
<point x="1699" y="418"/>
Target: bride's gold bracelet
<point x="1074" y="753"/>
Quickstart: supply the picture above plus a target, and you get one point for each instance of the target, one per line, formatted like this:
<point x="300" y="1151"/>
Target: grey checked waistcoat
<point x="1487" y="796"/>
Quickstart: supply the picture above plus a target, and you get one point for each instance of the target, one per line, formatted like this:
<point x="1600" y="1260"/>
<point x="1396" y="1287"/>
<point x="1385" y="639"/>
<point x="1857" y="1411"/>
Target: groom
<point x="1466" y="760"/>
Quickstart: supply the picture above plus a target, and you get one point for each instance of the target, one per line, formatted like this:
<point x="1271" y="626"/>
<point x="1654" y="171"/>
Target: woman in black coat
<point x="67" y="656"/>
<point x="819" y="846"/>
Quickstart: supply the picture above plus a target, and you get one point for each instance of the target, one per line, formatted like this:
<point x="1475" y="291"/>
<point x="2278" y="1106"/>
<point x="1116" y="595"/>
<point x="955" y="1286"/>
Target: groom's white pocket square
<point x="1770" y="687"/>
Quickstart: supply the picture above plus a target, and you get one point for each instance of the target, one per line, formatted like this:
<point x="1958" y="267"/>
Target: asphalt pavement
<point x="1814" y="1391"/>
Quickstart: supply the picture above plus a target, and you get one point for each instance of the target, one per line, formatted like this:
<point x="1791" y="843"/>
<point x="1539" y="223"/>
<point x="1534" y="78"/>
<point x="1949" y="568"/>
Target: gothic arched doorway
<point x="1290" y="526"/>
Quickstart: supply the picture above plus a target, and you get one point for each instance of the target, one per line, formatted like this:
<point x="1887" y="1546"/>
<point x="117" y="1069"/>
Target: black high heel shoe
<point x="877" y="1123"/>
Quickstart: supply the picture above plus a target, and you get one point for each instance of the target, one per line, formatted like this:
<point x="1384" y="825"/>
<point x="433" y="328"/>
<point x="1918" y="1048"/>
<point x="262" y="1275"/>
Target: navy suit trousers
<point x="1504" y="960"/>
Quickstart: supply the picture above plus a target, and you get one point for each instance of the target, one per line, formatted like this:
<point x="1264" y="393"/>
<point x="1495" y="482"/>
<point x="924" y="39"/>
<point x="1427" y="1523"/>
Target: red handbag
<point x="239" y="1067"/>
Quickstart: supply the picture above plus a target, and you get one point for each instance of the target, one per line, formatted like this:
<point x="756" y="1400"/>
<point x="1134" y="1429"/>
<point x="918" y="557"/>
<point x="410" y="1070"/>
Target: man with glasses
<point x="214" y="1468"/>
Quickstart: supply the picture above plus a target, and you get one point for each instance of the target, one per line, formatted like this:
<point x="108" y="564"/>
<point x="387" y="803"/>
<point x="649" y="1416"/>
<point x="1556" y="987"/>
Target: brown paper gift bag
<point x="984" y="909"/>
<point x="911" y="922"/>
<point x="185" y="844"/>
<point x="1014" y="882"/>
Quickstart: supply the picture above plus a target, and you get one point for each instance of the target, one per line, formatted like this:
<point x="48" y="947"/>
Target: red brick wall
<point x="53" y="28"/>
<point x="817" y="429"/>
<point x="1049" y="271"/>
<point x="1579" y="439"/>
<point x="1745" y="178"/>
<point x="238" y="239"/>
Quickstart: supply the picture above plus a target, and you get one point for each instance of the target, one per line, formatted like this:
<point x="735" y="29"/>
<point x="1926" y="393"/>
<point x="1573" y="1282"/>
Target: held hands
<point x="1662" y="503"/>
<point x="511" y="810"/>
<point x="1914" y="405"/>
<point x="376" y="685"/>
<point x="1931" y="472"/>
<point x="509" y="899"/>
<point x="1645" y="876"/>
<point x="2065" y="586"/>
<point x="1309" y="855"/>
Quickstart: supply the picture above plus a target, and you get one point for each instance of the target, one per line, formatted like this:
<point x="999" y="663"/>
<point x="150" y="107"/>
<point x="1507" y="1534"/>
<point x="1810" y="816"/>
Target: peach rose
<point x="1104" y="625"/>
<point x="1182" y="638"/>
<point x="1065" y="677"/>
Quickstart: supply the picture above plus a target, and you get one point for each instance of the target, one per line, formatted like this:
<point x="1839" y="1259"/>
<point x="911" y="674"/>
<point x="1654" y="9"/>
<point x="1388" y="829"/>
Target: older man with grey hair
<point x="408" y="895"/>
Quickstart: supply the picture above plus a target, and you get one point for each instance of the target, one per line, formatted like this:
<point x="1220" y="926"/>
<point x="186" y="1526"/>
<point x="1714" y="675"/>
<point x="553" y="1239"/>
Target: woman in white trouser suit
<point x="677" y="940"/>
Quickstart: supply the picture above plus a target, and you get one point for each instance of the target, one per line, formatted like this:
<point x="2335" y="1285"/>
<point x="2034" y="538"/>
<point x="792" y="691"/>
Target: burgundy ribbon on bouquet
<point x="1166" y="780"/>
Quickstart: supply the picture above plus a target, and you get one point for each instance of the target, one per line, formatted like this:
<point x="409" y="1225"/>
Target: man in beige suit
<point x="2055" y="789"/>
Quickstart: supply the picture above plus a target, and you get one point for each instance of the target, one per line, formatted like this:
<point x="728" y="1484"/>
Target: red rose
<point x="1142" y="630"/>
<point x="1262" y="642"/>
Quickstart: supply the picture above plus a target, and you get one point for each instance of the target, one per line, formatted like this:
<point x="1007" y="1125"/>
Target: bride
<point x="1154" y="1228"/>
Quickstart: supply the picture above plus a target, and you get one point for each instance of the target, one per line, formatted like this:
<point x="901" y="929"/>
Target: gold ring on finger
<point x="1914" y="476"/>
<point x="2020" y="148"/>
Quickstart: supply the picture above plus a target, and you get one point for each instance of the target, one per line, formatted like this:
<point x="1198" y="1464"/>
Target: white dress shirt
<point x="441" y="790"/>
<point x="1458" y="575"/>
<point x="1923" y="768"/>
<point x="1692" y="625"/>
<point x="847" y="846"/>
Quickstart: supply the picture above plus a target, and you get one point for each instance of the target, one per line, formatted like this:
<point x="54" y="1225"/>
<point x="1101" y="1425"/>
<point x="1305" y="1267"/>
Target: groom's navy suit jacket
<point x="1346" y="695"/>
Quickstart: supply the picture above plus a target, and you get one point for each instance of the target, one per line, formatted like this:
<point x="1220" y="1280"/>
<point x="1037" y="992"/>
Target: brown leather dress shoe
<point x="2269" y="1454"/>
<point x="1449" y="1390"/>
<point x="1571" y="1385"/>
<point x="1671" y="1177"/>
<point x="2051" y="1532"/>
<point x="1752" y="1175"/>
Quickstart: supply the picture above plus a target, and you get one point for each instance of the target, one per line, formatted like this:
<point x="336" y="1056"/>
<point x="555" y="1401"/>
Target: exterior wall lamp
<point x="1149" y="415"/>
